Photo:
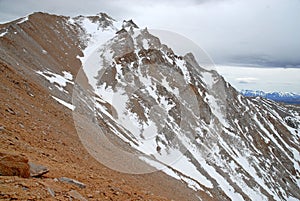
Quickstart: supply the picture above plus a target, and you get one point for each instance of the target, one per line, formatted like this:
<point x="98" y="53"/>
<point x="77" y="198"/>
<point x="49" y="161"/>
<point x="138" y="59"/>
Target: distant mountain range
<point x="285" y="97"/>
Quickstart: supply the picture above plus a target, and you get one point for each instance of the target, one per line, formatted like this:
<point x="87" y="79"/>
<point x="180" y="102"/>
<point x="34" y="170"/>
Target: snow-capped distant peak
<point x="247" y="92"/>
<point x="286" y="97"/>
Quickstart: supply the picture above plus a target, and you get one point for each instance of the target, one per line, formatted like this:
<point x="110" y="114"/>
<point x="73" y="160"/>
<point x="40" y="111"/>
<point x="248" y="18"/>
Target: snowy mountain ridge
<point x="139" y="107"/>
<point x="286" y="97"/>
<point x="125" y="60"/>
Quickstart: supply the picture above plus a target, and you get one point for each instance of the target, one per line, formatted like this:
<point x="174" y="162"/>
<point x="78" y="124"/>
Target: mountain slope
<point x="34" y="124"/>
<point x="138" y="107"/>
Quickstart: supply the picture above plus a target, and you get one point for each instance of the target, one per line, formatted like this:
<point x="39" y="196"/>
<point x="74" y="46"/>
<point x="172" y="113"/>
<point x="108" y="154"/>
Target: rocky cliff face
<point x="139" y="107"/>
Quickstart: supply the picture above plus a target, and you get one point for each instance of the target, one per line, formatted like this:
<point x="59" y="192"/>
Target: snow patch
<point x="59" y="81"/>
<point x="186" y="167"/>
<point x="208" y="79"/>
<point x="24" y="19"/>
<point x="182" y="65"/>
<point x="67" y="75"/>
<point x="3" y="33"/>
<point x="216" y="109"/>
<point x="145" y="44"/>
<point x="91" y="62"/>
<point x="68" y="105"/>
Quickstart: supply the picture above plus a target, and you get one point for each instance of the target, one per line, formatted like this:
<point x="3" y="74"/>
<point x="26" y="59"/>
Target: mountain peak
<point x="129" y="26"/>
<point x="129" y="23"/>
<point x="135" y="103"/>
<point x="102" y="20"/>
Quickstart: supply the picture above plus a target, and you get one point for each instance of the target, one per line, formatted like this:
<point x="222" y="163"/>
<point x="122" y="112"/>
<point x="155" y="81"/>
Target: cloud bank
<point x="246" y="80"/>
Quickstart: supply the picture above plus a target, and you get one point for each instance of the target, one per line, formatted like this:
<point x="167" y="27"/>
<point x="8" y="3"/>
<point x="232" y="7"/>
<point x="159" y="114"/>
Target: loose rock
<point x="51" y="192"/>
<point x="76" y="195"/>
<point x="72" y="181"/>
<point x="37" y="170"/>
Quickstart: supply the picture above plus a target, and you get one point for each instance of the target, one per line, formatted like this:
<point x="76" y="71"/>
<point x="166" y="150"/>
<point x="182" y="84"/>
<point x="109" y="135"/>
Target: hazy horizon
<point x="267" y="79"/>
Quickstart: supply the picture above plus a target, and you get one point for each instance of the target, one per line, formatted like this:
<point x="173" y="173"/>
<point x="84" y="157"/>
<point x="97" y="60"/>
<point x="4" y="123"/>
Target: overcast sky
<point x="265" y="32"/>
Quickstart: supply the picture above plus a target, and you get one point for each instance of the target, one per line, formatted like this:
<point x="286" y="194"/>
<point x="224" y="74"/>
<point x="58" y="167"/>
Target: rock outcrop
<point x="14" y="165"/>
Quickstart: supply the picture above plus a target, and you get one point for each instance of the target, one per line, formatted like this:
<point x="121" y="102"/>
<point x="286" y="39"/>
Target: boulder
<point x="14" y="165"/>
<point x="72" y="181"/>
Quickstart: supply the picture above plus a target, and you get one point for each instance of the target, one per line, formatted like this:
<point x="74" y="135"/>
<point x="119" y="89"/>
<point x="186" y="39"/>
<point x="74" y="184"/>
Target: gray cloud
<point x="246" y="80"/>
<point x="263" y="32"/>
<point x="10" y="9"/>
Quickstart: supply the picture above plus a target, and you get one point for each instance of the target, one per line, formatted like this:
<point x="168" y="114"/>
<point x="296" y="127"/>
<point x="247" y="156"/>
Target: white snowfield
<point x="222" y="154"/>
<point x="3" y="33"/>
<point x="64" y="103"/>
<point x="60" y="82"/>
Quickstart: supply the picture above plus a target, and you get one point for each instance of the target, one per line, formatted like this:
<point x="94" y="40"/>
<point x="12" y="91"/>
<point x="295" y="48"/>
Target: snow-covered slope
<point x="188" y="122"/>
<point x="139" y="107"/>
